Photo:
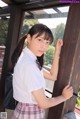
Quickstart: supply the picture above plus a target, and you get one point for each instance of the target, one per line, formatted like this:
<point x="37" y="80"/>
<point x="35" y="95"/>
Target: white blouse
<point x="27" y="77"/>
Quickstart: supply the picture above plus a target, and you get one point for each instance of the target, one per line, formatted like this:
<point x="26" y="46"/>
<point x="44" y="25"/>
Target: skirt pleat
<point x="28" y="111"/>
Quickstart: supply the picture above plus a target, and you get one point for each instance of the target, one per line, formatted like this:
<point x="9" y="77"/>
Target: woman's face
<point x="38" y="45"/>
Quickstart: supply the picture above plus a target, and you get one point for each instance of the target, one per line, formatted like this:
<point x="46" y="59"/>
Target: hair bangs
<point x="47" y="35"/>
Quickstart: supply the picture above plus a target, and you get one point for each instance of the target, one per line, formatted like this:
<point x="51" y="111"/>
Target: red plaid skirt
<point x="28" y="111"/>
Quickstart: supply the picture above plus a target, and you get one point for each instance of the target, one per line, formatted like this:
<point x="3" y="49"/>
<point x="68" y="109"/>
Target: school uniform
<point x="27" y="77"/>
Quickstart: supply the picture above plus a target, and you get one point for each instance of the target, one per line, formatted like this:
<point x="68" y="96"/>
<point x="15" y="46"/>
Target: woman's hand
<point x="59" y="44"/>
<point x="67" y="92"/>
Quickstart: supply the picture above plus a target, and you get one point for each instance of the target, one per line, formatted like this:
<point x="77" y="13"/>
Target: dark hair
<point x="38" y="29"/>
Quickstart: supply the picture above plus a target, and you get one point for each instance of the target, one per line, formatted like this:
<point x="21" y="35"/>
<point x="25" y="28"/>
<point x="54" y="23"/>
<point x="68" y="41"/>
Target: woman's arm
<point x="45" y="102"/>
<point x="52" y="74"/>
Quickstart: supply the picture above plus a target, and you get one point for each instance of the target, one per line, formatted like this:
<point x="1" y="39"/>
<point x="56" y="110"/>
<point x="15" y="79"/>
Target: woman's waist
<point x="30" y="106"/>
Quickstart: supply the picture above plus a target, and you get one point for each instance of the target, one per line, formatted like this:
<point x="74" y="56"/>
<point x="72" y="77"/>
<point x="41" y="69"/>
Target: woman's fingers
<point x="60" y="42"/>
<point x="67" y="92"/>
<point x="67" y="86"/>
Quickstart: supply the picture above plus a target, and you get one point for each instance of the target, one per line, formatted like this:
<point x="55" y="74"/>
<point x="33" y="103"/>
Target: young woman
<point x="29" y="79"/>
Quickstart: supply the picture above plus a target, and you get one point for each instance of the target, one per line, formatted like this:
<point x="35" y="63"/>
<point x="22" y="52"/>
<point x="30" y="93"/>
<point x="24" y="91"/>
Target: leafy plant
<point x="78" y="99"/>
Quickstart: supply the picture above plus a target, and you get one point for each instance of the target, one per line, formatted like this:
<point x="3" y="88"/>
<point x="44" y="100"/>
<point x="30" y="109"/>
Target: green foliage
<point x="48" y="57"/>
<point x="4" y="28"/>
<point x="78" y="100"/>
<point x="3" y="31"/>
<point x="30" y="22"/>
<point x="58" y="32"/>
<point x="27" y="24"/>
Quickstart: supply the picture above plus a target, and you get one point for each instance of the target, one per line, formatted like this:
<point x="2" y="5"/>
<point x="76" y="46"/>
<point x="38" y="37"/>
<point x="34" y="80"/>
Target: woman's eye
<point x="39" y="39"/>
<point x="48" y="42"/>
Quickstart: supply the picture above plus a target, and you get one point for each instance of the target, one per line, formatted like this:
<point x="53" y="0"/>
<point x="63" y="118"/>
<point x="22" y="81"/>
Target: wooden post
<point x="15" y="23"/>
<point x="69" y="70"/>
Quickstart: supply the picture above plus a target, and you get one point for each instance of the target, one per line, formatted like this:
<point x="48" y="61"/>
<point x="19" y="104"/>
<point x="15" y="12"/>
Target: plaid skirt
<point x="28" y="111"/>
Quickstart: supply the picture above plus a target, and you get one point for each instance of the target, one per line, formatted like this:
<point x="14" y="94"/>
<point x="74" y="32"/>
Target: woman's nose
<point x="44" y="45"/>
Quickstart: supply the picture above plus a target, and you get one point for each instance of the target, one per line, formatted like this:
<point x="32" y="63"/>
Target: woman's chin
<point x="39" y="55"/>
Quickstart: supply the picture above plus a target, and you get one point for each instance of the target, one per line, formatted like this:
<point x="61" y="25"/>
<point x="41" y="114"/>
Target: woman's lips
<point x="41" y="51"/>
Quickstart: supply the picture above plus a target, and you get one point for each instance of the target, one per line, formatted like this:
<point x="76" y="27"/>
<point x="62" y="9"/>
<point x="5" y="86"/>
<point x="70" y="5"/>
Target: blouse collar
<point x="30" y="53"/>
